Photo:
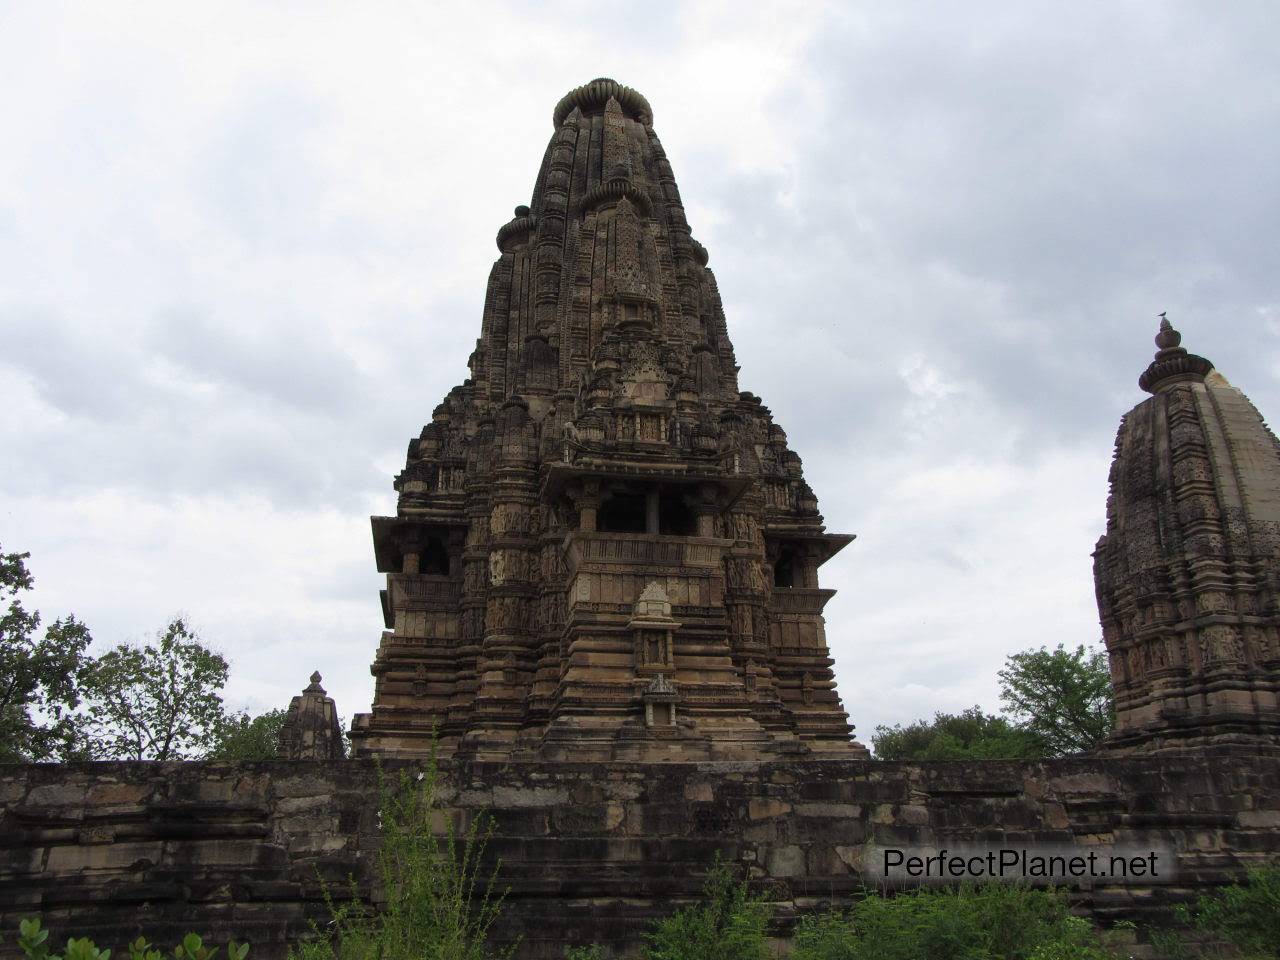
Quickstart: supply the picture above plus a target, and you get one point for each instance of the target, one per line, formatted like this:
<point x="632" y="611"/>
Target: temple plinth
<point x="602" y="547"/>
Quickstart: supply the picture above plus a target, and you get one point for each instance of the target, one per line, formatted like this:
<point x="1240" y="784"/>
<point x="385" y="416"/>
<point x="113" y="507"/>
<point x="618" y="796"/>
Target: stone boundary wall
<point x="591" y="852"/>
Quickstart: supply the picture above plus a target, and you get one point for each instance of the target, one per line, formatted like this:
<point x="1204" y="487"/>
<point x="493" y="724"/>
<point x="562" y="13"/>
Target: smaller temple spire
<point x="310" y="730"/>
<point x="1172" y="363"/>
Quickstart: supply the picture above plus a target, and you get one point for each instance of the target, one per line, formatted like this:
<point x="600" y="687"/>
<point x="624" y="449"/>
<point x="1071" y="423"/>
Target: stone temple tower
<point x="602" y="547"/>
<point x="1188" y="572"/>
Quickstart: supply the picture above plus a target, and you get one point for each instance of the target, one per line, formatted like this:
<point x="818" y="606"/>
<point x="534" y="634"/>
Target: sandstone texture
<point x="1188" y="572"/>
<point x="603" y="548"/>
<point x="591" y="852"/>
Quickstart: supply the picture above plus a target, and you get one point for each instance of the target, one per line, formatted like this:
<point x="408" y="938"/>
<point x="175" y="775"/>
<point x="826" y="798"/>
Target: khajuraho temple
<point x="603" y="548"/>
<point x="1188" y="571"/>
<point x="603" y="615"/>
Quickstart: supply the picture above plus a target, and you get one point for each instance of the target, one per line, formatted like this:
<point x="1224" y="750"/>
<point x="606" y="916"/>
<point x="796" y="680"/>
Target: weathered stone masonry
<point x="603" y="548"/>
<point x="1188" y="571"/>
<point x="591" y="852"/>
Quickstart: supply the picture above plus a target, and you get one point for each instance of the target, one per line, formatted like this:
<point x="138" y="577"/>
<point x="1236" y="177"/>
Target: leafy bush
<point x="241" y="737"/>
<point x="1169" y="944"/>
<point x="1246" y="915"/>
<point x="728" y="925"/>
<point x="438" y="904"/>
<point x="970" y="735"/>
<point x="33" y="941"/>
<point x="990" y="922"/>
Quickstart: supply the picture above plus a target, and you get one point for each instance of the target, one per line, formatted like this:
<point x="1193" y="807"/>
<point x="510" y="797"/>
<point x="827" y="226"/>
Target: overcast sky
<point x="243" y="253"/>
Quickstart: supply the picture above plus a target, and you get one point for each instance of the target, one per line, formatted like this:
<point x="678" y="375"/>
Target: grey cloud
<point x="1078" y="180"/>
<point x="289" y="363"/>
<point x="78" y="368"/>
<point x="259" y="172"/>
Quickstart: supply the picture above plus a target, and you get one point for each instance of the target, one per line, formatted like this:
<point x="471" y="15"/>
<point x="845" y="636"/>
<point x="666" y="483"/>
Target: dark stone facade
<point x="592" y="853"/>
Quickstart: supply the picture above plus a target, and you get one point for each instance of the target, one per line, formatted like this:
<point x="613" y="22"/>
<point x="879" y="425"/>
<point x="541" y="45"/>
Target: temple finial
<point x="1168" y="338"/>
<point x="1172" y="363"/>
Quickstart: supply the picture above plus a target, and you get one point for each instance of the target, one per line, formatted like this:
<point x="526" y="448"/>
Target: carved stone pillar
<point x="588" y="504"/>
<point x="651" y="511"/>
<point x="707" y="508"/>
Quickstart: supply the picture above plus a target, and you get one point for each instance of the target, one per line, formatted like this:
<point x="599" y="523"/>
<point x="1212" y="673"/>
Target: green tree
<point x="241" y="737"/>
<point x="970" y="735"/>
<point x="1061" y="697"/>
<point x="38" y="676"/>
<point x="159" y="701"/>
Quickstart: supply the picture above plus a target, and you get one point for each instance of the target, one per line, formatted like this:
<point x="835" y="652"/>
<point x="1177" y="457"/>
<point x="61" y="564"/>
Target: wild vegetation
<point x="1057" y="702"/>
<point x="438" y="901"/>
<point x="989" y="922"/>
<point x="729" y="924"/>
<point x="152" y="701"/>
<point x="33" y="941"/>
<point x="1244" y="915"/>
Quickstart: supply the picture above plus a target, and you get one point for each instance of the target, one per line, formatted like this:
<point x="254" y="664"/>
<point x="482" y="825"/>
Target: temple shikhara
<point x="1188" y="572"/>
<point x="603" y="548"/>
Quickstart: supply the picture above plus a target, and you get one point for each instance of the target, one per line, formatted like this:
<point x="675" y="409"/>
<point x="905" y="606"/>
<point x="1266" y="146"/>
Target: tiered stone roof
<point x="600" y="450"/>
<point x="1188" y="570"/>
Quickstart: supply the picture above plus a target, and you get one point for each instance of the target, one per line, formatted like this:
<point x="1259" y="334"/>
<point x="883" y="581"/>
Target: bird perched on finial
<point x="1162" y="313"/>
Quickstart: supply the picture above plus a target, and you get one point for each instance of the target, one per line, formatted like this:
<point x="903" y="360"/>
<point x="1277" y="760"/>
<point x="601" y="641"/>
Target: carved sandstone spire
<point x="1187" y="572"/>
<point x="600" y="446"/>
<point x="310" y="730"/>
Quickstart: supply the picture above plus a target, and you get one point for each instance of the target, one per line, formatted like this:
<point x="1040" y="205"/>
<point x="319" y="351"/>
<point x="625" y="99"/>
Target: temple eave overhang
<point x="560" y="477"/>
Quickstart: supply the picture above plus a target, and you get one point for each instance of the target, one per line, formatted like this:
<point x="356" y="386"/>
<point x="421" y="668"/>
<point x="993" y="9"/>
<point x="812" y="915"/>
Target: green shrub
<point x="728" y="925"/>
<point x="437" y="903"/>
<point x="969" y="735"/>
<point x="1169" y="944"/>
<point x="989" y="922"/>
<point x="1246" y="915"/>
<point x="33" y="941"/>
